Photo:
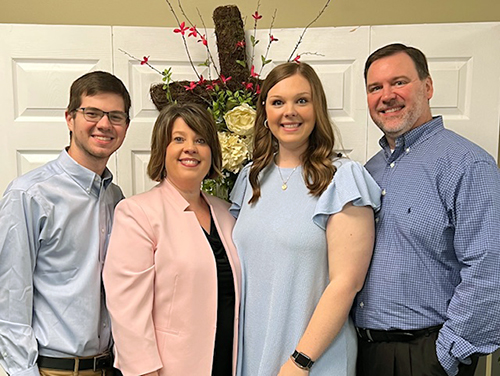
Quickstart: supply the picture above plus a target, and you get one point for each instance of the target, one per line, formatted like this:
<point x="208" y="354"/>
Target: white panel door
<point x="165" y="49"/>
<point x="37" y="66"/>
<point x="337" y="55"/>
<point x="464" y="64"/>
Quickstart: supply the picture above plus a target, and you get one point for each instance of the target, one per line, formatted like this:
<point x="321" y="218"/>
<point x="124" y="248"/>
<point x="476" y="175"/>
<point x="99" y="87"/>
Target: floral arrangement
<point x="230" y="97"/>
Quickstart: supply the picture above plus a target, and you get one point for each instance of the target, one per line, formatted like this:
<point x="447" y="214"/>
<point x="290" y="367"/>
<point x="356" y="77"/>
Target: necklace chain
<point x="285" y="186"/>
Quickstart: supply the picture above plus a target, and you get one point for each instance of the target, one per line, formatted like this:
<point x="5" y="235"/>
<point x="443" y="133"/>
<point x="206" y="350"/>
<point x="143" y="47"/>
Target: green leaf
<point x="242" y="63"/>
<point x="253" y="40"/>
<point x="264" y="61"/>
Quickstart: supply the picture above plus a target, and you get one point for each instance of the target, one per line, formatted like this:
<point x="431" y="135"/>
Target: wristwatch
<point x="302" y="360"/>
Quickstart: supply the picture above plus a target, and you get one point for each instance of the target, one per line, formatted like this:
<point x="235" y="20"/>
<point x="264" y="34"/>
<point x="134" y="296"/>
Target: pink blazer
<point x="161" y="284"/>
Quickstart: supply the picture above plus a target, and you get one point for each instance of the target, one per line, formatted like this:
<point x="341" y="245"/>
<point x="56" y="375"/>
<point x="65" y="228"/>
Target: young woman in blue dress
<point x="304" y="233"/>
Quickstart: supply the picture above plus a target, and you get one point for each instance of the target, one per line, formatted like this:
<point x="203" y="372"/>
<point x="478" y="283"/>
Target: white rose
<point x="241" y="119"/>
<point x="234" y="151"/>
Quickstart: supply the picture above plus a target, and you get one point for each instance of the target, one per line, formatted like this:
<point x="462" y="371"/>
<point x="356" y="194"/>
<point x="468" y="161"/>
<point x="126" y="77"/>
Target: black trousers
<point x="413" y="358"/>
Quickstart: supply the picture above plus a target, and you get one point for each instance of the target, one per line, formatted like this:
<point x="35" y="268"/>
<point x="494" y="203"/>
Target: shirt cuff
<point x="452" y="350"/>
<point x="32" y="371"/>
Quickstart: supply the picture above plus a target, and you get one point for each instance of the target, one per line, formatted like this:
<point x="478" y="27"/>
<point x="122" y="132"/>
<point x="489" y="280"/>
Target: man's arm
<point x="19" y="215"/>
<point x="473" y="324"/>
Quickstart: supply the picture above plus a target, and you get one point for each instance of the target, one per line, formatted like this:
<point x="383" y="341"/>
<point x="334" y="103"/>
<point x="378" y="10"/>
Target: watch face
<point x="302" y="360"/>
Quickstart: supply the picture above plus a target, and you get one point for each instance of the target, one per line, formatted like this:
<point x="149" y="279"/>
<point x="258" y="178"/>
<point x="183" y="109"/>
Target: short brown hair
<point x="415" y="54"/>
<point x="94" y="83"/>
<point x="199" y="120"/>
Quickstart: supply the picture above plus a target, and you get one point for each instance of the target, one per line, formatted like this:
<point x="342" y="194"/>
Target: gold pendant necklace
<point x="285" y="186"/>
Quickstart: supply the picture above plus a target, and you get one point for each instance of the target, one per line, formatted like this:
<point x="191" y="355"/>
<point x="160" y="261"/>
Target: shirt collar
<point x="88" y="180"/>
<point x="412" y="137"/>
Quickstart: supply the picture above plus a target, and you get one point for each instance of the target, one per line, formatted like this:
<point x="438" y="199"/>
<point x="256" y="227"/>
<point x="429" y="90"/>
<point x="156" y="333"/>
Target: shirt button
<point x="392" y="165"/>
<point x="361" y="304"/>
<point x="407" y="150"/>
<point x="376" y="220"/>
<point x="102" y="230"/>
<point x="383" y="192"/>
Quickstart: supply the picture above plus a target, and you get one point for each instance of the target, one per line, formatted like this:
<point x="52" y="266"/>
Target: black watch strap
<point x="302" y="360"/>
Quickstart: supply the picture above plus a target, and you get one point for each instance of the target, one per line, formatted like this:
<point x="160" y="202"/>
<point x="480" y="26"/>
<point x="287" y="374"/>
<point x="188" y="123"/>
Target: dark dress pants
<point x="413" y="358"/>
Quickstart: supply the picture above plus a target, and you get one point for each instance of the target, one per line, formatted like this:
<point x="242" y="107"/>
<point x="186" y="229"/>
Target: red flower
<point x="248" y="85"/>
<point x="201" y="81"/>
<point x="272" y="38"/>
<point x="297" y="58"/>
<point x="193" y="32"/>
<point x="240" y="44"/>
<point x="252" y="72"/>
<point x="191" y="86"/>
<point x="182" y="29"/>
<point x="203" y="40"/>
<point x="256" y="16"/>
<point x="257" y="90"/>
<point x="210" y="87"/>
<point x="224" y="79"/>
<point x="145" y="60"/>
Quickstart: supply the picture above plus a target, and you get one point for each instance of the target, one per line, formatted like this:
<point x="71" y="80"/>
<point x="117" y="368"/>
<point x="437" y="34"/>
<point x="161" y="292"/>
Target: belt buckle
<point x="100" y="361"/>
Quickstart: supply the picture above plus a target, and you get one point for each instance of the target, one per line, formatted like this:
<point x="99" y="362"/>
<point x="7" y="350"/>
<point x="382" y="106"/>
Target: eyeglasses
<point x="94" y="115"/>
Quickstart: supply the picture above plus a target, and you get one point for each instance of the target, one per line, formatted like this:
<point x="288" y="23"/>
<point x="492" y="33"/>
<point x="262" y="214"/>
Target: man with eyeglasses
<point x="54" y="227"/>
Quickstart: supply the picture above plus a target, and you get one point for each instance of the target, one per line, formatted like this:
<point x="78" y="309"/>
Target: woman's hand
<point x="291" y="369"/>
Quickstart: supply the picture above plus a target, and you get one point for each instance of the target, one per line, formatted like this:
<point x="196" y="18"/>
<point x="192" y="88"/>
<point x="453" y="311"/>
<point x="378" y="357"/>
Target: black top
<point x="223" y="350"/>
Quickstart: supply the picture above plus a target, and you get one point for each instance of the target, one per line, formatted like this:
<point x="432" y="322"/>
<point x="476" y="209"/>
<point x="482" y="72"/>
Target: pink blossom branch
<point x="142" y="61"/>
<point x="208" y="49"/>
<point x="307" y="27"/>
<point x="270" y="41"/>
<point x="184" y="40"/>
<point x="256" y="19"/>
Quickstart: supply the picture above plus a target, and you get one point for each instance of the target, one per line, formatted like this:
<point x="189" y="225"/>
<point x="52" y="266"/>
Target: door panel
<point x="38" y="64"/>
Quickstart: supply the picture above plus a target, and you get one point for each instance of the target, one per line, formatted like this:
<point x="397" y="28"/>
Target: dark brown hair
<point x="415" y="54"/>
<point x="317" y="164"/>
<point x="199" y="120"/>
<point x="94" y="83"/>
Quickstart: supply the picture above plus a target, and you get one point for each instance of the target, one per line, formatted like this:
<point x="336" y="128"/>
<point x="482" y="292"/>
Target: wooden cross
<point x="228" y="31"/>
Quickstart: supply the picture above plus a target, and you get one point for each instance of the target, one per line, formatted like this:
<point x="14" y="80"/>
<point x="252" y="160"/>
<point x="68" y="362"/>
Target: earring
<point x="266" y="124"/>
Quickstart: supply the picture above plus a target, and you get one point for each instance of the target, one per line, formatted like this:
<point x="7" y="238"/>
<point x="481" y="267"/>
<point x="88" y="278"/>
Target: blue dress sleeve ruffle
<point x="351" y="183"/>
<point x="238" y="193"/>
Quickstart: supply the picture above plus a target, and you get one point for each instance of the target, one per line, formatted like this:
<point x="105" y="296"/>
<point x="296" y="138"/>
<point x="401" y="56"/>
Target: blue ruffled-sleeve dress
<point x="281" y="241"/>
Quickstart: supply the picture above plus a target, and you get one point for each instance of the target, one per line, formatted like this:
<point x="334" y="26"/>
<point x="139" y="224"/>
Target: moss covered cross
<point x="228" y="31"/>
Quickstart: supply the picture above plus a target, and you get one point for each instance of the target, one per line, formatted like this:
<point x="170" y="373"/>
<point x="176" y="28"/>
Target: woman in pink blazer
<point x="172" y="275"/>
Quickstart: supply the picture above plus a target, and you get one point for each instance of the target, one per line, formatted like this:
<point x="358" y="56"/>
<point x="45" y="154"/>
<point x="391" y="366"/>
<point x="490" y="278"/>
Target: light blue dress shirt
<point x="54" y="227"/>
<point x="437" y="252"/>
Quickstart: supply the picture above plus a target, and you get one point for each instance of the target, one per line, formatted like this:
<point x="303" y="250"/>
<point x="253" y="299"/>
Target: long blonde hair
<point x="318" y="169"/>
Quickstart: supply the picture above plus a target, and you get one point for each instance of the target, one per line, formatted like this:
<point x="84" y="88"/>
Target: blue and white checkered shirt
<point x="437" y="253"/>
